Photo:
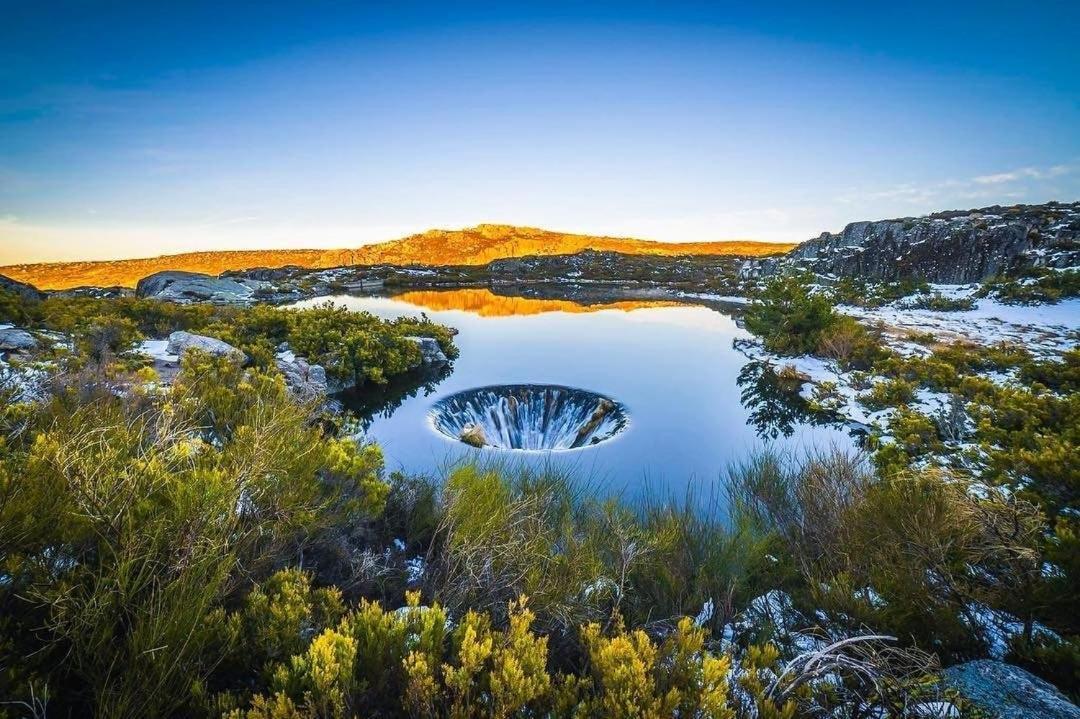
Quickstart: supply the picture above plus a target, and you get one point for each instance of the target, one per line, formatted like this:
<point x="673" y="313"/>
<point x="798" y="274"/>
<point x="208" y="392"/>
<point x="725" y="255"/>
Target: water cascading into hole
<point x="529" y="416"/>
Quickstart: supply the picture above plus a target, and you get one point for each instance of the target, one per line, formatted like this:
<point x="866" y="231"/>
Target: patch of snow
<point x="157" y="350"/>
<point x="1043" y="329"/>
<point x="414" y="570"/>
<point x="706" y="614"/>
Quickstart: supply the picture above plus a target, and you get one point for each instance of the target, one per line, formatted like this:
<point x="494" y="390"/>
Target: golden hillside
<point x="471" y="246"/>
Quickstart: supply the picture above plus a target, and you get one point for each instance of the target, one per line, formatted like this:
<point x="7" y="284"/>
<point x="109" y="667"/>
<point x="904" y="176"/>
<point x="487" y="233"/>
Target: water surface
<point x="672" y="366"/>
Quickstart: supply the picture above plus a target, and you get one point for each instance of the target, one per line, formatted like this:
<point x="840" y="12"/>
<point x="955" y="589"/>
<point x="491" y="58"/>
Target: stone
<point x="305" y="380"/>
<point x="177" y="286"/>
<point x="430" y="351"/>
<point x="13" y="339"/>
<point x="473" y="435"/>
<point x="180" y="342"/>
<point x="1005" y="691"/>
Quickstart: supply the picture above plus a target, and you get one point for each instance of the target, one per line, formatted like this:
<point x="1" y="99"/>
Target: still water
<point x="693" y="403"/>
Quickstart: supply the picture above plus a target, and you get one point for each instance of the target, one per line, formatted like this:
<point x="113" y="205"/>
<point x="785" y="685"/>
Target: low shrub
<point x="938" y="303"/>
<point x="851" y="344"/>
<point x="1034" y="286"/>
<point x="893" y="392"/>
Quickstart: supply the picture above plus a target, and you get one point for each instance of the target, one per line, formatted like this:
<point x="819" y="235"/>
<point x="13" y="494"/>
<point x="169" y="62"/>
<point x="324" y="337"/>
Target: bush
<point x="126" y="522"/>
<point x="939" y="303"/>
<point x="789" y="316"/>
<point x="851" y="344"/>
<point x="1034" y="286"/>
<point x="894" y="392"/>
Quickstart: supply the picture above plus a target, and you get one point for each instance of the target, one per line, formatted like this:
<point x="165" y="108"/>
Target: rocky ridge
<point x="952" y="247"/>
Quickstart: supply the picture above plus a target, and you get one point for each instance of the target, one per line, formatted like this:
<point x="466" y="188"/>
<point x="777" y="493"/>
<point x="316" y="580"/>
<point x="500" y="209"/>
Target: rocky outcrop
<point x="431" y="353"/>
<point x="180" y="342"/>
<point x="193" y="287"/>
<point x="13" y="339"/>
<point x="27" y="292"/>
<point x="305" y="380"/>
<point x="1005" y="691"/>
<point x="948" y="247"/>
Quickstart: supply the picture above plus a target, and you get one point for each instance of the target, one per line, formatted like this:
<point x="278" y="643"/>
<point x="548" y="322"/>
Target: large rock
<point x="1005" y="691"/>
<point x="949" y="247"/>
<point x="179" y="286"/>
<point x="180" y="342"/>
<point x="13" y="339"/>
<point x="27" y="292"/>
<point x="306" y="381"/>
<point x="431" y="353"/>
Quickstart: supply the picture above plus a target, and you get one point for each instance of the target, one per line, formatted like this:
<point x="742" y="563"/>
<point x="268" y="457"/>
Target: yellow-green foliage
<point x="889" y="393"/>
<point x="635" y="677"/>
<point x="126" y="521"/>
<point x="480" y="671"/>
<point x="504" y="537"/>
<point x="929" y="547"/>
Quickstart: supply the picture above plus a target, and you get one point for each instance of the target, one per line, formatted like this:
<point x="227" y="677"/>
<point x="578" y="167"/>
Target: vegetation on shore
<point x="351" y="346"/>
<point x="224" y="549"/>
<point x="1010" y="425"/>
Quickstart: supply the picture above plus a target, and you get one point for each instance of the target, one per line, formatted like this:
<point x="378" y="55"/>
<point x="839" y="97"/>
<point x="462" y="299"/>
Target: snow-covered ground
<point x="1046" y="330"/>
<point x="1043" y="329"/>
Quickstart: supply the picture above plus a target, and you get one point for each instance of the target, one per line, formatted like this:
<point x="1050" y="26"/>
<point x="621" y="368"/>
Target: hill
<point x="471" y="246"/>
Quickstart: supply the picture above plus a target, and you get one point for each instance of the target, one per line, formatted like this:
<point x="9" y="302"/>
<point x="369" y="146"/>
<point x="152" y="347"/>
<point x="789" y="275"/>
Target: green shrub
<point x="1034" y="286"/>
<point x="939" y="303"/>
<point x="126" y="521"/>
<point x="851" y="344"/>
<point x="894" y="392"/>
<point x="788" y="316"/>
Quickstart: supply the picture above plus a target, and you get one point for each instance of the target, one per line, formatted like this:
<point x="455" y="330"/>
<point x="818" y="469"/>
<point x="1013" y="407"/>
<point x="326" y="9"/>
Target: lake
<point x="693" y="404"/>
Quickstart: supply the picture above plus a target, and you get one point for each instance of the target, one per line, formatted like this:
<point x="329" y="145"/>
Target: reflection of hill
<point x="486" y="303"/>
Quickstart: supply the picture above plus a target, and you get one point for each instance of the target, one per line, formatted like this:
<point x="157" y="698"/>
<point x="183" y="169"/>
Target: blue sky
<point x="133" y="129"/>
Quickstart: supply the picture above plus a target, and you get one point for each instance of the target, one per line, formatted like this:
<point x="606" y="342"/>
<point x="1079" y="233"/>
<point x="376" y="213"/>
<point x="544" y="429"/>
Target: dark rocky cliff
<point x="948" y="247"/>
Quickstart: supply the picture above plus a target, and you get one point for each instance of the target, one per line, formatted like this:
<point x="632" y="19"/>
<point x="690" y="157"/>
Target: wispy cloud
<point x="978" y="188"/>
<point x="1024" y="173"/>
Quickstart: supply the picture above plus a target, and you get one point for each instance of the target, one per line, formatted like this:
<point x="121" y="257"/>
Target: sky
<point x="143" y="128"/>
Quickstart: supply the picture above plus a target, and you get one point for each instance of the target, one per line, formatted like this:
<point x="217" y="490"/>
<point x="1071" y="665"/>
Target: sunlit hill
<point x="471" y="246"/>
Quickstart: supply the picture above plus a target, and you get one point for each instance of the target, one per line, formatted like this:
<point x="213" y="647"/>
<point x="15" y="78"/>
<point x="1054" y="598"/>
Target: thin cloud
<point x="1024" y="173"/>
<point x="980" y="187"/>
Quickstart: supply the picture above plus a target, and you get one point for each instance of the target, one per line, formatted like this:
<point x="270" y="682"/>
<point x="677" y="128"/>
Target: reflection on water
<point x="673" y="368"/>
<point x="484" y="302"/>
<point x="775" y="405"/>
<point x="372" y="401"/>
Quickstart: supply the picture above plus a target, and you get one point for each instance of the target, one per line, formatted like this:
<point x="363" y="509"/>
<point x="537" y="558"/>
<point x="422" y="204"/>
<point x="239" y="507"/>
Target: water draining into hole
<point x="529" y="416"/>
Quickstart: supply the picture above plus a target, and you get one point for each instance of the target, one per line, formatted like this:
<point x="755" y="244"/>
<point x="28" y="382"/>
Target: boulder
<point x="13" y="339"/>
<point x="177" y="286"/>
<point x="1005" y="691"/>
<point x="473" y="435"/>
<point x="180" y="342"/>
<point x="306" y="381"/>
<point x="430" y="351"/>
<point x="27" y="292"/>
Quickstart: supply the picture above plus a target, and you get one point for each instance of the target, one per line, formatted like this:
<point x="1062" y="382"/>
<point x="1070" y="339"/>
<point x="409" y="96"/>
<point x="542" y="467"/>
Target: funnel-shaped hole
<point x="529" y="416"/>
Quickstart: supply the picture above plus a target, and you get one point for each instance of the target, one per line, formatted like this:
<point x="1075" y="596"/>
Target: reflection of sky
<point x="135" y="128"/>
<point x="673" y="368"/>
